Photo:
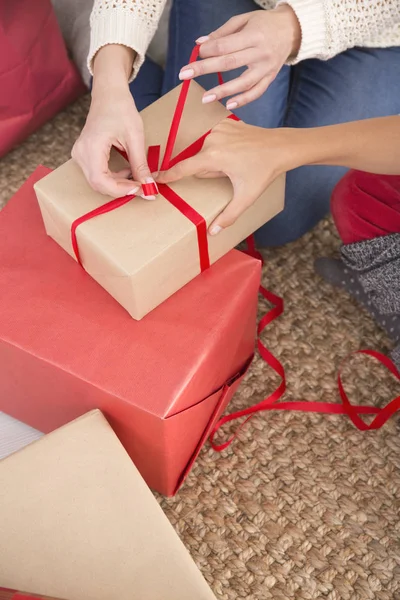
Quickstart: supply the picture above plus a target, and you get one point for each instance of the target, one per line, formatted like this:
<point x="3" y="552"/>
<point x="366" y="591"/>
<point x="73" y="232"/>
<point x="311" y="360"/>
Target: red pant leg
<point x="365" y="206"/>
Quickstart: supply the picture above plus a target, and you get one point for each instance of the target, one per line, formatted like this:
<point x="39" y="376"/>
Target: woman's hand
<point x="113" y="120"/>
<point x="261" y="40"/>
<point x="252" y="157"/>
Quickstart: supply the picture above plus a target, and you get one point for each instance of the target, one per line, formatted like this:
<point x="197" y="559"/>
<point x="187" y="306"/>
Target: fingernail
<point x="231" y="105"/>
<point x="215" y="229"/>
<point x="186" y="74"/>
<point x="149" y="188"/>
<point x="132" y="192"/>
<point x="147" y="197"/>
<point x="150" y="180"/>
<point x="202" y="39"/>
<point x="209" y="98"/>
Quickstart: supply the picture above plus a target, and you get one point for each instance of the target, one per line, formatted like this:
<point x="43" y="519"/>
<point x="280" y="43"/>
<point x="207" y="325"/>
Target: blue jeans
<point x="357" y="84"/>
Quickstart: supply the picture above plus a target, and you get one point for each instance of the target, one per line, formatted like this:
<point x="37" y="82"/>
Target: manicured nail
<point x="186" y="74"/>
<point x="147" y="197"/>
<point x="202" y="39"/>
<point x="215" y="229"/>
<point x="149" y="188"/>
<point x="132" y="192"/>
<point x="209" y="98"/>
<point x="231" y="105"/>
<point x="149" y="180"/>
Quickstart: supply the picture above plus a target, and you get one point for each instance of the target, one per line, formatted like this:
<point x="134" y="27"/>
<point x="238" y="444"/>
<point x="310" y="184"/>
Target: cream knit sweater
<point x="328" y="26"/>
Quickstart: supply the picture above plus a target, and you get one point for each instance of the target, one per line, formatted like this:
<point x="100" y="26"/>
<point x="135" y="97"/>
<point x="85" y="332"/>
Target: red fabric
<point x="36" y="77"/>
<point x="66" y="346"/>
<point x="365" y="206"/>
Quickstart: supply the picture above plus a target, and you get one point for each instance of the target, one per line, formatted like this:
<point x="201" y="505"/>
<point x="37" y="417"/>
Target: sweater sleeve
<point x="329" y="27"/>
<point x="131" y="23"/>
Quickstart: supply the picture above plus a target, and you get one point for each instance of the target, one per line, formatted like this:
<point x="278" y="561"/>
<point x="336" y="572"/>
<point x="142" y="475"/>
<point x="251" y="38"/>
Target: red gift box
<point x="67" y="347"/>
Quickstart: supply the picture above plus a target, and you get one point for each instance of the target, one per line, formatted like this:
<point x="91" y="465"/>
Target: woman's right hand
<point x="113" y="120"/>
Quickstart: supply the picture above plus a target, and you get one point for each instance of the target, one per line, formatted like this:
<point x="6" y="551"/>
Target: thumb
<point x="240" y="202"/>
<point x="140" y="168"/>
<point x="186" y="168"/>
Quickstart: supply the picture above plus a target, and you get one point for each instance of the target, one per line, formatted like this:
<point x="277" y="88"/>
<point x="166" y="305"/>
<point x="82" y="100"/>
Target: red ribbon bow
<point x="149" y="189"/>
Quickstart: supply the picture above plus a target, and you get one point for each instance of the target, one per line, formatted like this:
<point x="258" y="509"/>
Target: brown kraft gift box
<point x="144" y="251"/>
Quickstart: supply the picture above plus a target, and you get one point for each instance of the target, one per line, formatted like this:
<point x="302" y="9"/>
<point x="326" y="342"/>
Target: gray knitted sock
<point x="335" y="272"/>
<point x="395" y="356"/>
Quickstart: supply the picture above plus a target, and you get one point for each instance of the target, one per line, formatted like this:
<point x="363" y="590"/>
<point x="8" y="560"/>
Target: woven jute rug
<point x="301" y="506"/>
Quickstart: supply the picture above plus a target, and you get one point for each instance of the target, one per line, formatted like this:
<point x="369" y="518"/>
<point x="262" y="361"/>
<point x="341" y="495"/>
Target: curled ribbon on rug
<point x="271" y="402"/>
<point x="150" y="189"/>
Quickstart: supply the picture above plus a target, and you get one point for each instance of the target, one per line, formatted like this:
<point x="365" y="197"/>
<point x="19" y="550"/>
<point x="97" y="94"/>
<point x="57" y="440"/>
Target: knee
<point x="348" y="190"/>
<point x="348" y="202"/>
<point x="308" y="191"/>
<point x="286" y="227"/>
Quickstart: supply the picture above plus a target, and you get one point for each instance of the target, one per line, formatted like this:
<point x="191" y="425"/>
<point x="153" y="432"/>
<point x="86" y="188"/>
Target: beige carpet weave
<point x="302" y="506"/>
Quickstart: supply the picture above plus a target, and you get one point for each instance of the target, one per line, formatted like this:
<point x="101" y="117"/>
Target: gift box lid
<point x="78" y="522"/>
<point x="55" y="311"/>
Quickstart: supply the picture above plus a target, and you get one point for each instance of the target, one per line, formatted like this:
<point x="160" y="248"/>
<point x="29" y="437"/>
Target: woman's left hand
<point x="252" y="157"/>
<point x="261" y="40"/>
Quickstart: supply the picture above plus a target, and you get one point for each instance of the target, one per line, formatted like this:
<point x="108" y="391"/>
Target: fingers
<point x="112" y="186"/>
<point x="229" y="62"/>
<point x="230" y="53"/>
<point x="240" y="84"/>
<point x="234" y="24"/>
<point x="138" y="161"/>
<point x="211" y="174"/>
<point x="186" y="168"/>
<point x="221" y="46"/>
<point x="124" y="174"/>
<point x="251" y="94"/>
<point x="97" y="173"/>
<point x="239" y="203"/>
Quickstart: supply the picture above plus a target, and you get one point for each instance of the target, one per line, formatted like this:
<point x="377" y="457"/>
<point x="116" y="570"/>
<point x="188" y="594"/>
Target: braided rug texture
<point x="301" y="506"/>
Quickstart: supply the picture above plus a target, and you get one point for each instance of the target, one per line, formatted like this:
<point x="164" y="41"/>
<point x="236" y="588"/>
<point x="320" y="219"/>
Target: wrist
<point x="290" y="28"/>
<point x="112" y="68"/>
<point x="313" y="146"/>
<point x="289" y="148"/>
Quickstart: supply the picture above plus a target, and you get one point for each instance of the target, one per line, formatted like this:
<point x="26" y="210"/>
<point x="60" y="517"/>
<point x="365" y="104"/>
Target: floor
<point x="302" y="506"/>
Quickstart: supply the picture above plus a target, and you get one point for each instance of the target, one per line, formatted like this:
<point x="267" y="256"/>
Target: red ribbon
<point x="271" y="402"/>
<point x="150" y="189"/>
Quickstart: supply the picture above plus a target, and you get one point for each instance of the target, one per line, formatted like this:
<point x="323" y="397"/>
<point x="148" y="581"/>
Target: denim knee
<point x="307" y="198"/>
